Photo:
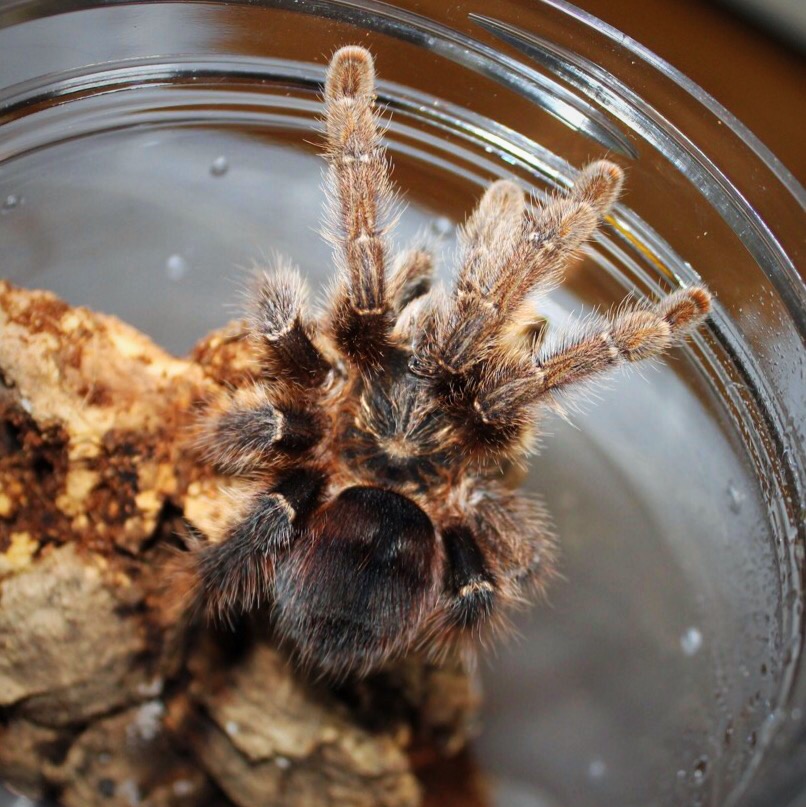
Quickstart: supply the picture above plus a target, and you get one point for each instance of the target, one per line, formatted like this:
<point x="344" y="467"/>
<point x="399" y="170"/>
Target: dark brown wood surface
<point x="759" y="78"/>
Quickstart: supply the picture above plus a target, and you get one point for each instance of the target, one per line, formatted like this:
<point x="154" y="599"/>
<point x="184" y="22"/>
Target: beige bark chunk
<point x="298" y="747"/>
<point x="109" y="695"/>
<point x="127" y="761"/>
<point x="67" y="653"/>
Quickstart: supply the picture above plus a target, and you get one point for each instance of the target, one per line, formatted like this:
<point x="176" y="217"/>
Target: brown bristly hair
<point x="375" y="434"/>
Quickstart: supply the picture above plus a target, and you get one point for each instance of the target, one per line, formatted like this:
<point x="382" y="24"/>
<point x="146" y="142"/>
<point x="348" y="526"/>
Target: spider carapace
<point x="376" y="432"/>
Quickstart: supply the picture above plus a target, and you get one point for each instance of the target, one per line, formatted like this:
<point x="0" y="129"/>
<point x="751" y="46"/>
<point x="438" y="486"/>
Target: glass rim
<point x="457" y="45"/>
<point x="781" y="172"/>
<point x="473" y="52"/>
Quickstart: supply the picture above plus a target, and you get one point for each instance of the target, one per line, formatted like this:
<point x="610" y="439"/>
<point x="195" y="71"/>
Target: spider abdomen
<point x="356" y="583"/>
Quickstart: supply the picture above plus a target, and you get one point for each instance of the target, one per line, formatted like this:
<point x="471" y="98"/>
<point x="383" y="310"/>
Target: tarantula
<point x="376" y="435"/>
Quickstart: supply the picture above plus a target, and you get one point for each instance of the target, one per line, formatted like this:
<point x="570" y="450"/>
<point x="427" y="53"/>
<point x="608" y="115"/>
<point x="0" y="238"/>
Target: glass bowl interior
<point x="151" y="153"/>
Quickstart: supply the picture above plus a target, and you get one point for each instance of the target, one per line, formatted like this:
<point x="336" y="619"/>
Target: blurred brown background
<point x="750" y="62"/>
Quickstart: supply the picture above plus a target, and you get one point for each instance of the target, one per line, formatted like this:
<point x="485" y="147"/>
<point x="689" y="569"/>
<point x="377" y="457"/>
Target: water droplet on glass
<point x="736" y="497"/>
<point x="691" y="641"/>
<point x="597" y="769"/>
<point x="442" y="226"/>
<point x="220" y="166"/>
<point x="681" y="774"/>
<point x="700" y="769"/>
<point x="176" y="267"/>
<point x="10" y="202"/>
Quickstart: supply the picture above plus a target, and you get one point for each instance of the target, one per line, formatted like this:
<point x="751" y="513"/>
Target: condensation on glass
<point x="151" y="153"/>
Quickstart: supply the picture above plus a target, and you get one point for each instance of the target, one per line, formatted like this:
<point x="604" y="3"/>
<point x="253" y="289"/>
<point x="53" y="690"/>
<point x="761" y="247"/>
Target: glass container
<point x="151" y="152"/>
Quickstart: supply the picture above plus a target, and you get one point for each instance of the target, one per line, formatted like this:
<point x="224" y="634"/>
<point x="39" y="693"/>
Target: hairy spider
<point x="376" y="435"/>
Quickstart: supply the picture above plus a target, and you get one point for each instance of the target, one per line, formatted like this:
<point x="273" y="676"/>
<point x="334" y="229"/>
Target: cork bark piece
<point x="108" y="694"/>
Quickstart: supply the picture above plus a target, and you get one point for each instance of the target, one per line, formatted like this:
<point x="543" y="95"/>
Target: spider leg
<point x="511" y="254"/>
<point x="489" y="236"/>
<point x="504" y="400"/>
<point x="412" y="276"/>
<point x="236" y="574"/>
<point x="634" y="335"/>
<point x="278" y="325"/>
<point x="526" y="331"/>
<point x="471" y="350"/>
<point x="515" y="531"/>
<point x="249" y="431"/>
<point x="599" y="184"/>
<point x="360" y="197"/>
<point x="470" y="584"/>
<point x="503" y="548"/>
